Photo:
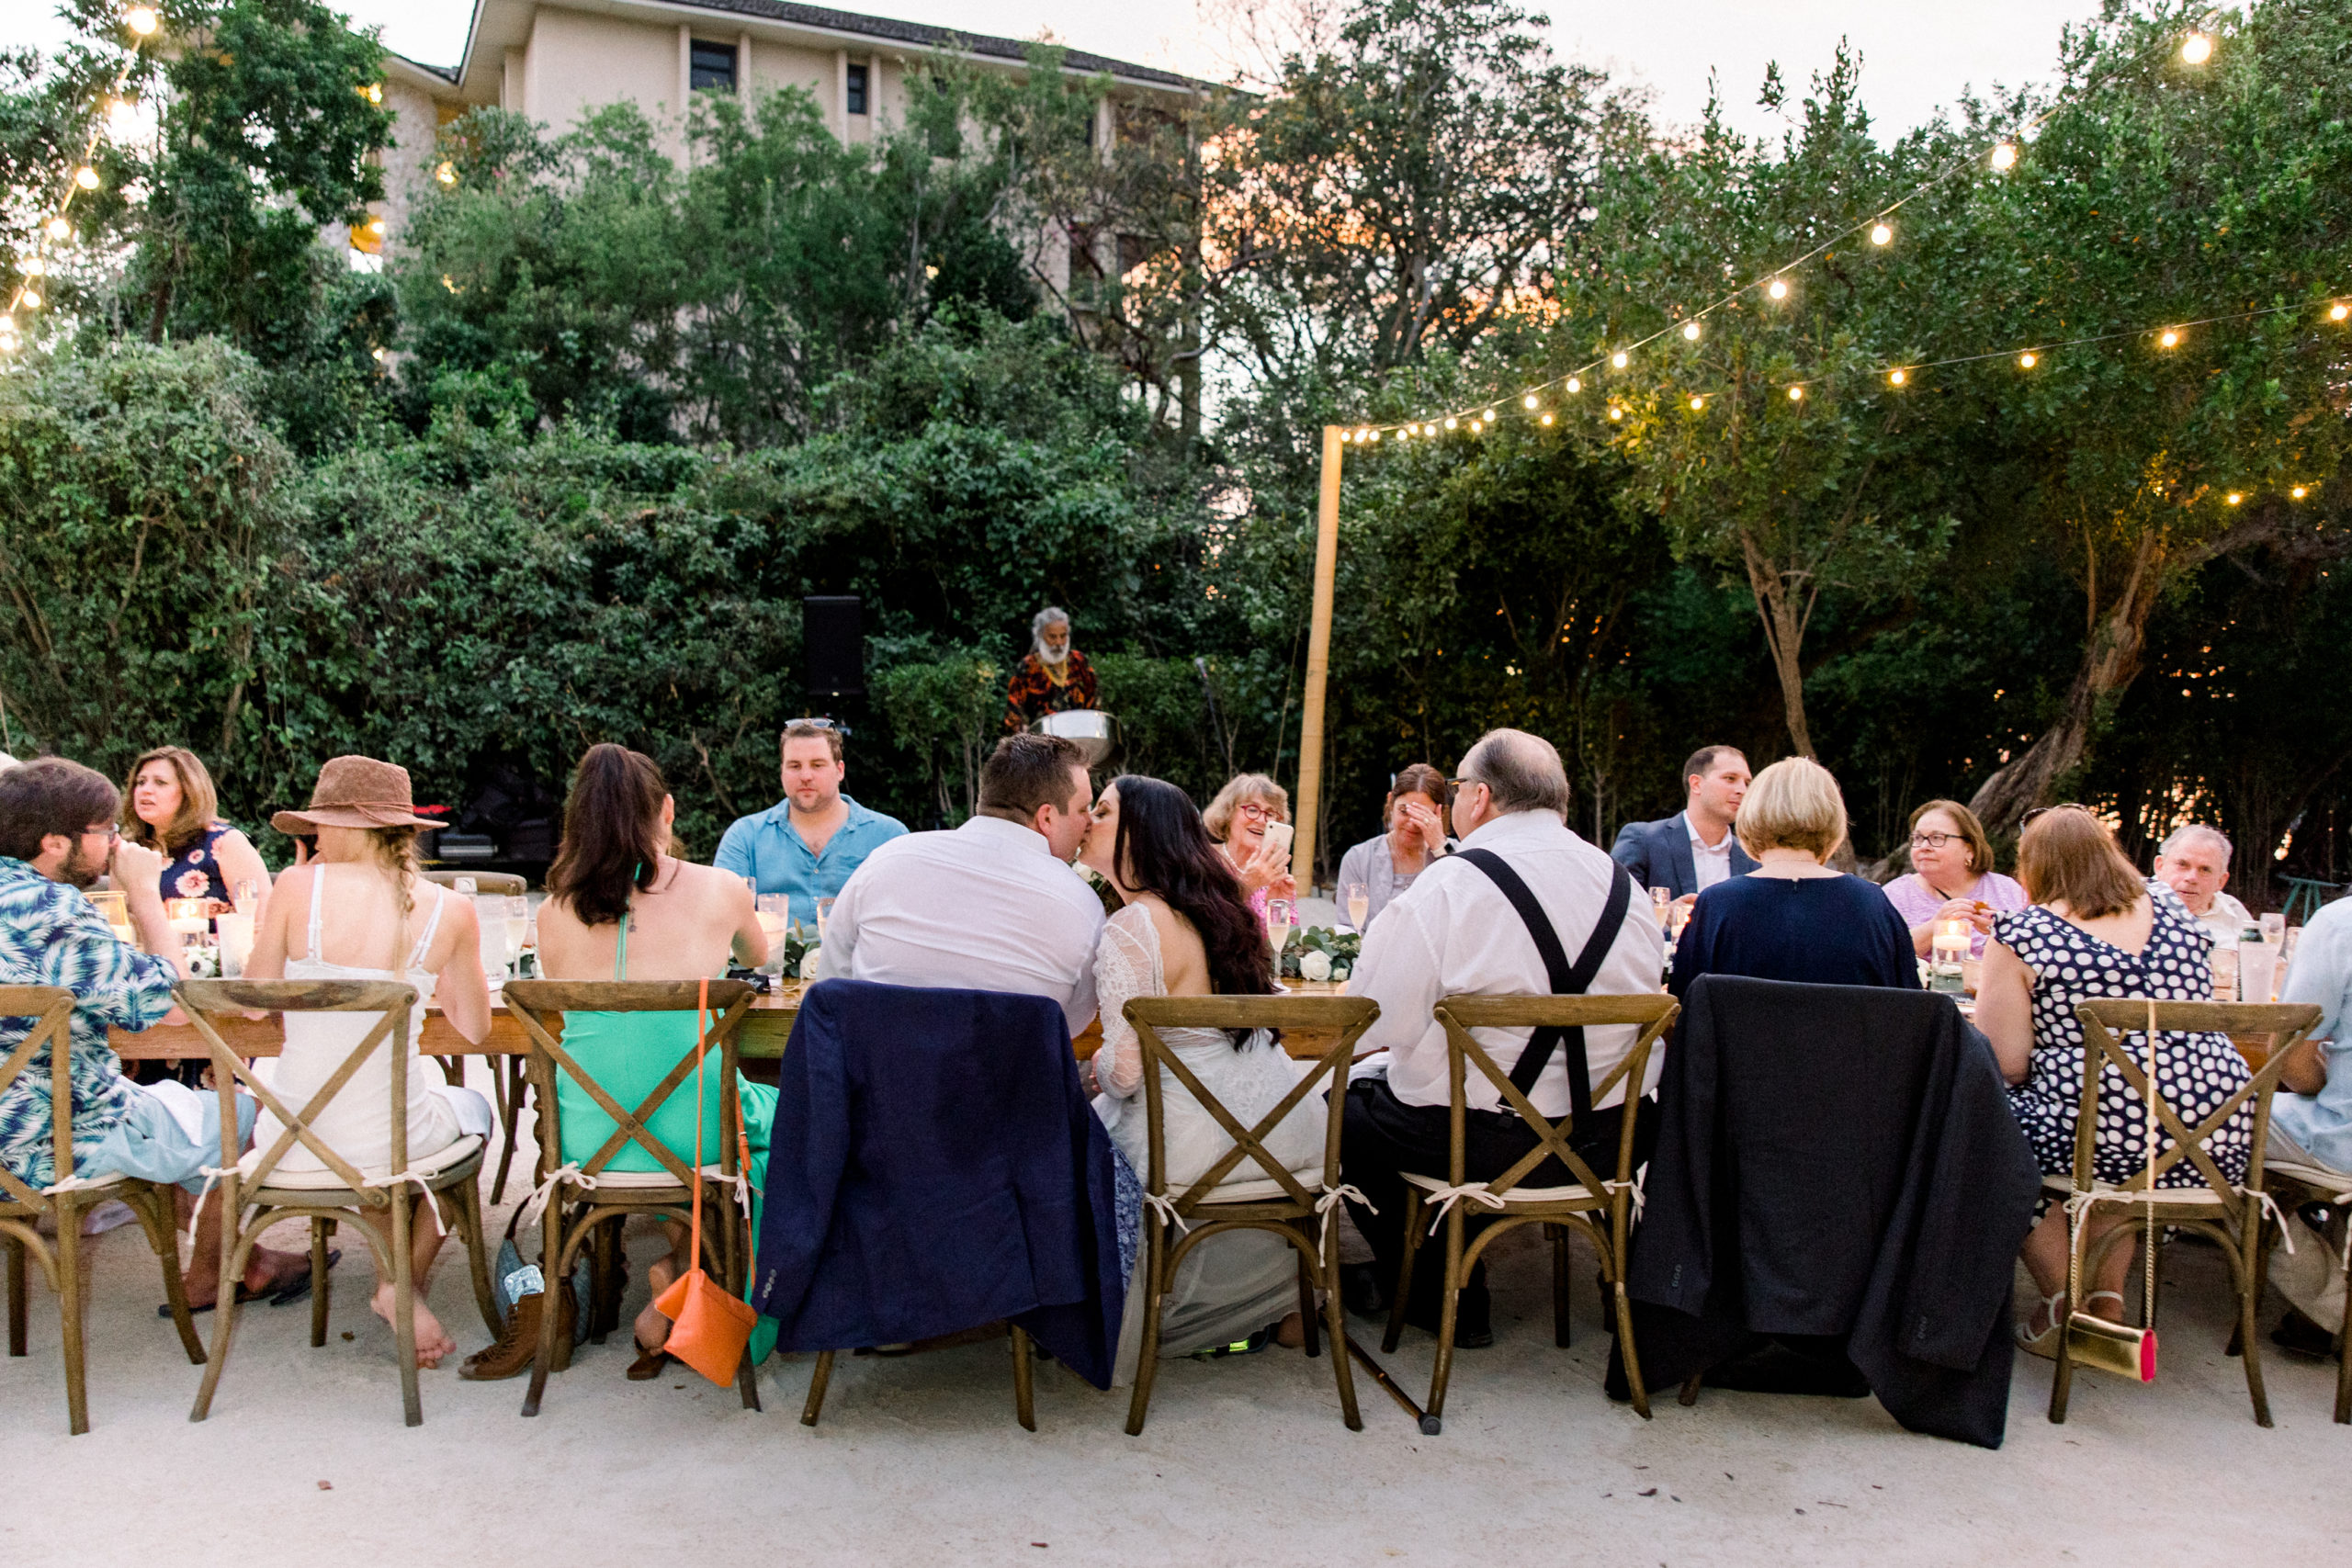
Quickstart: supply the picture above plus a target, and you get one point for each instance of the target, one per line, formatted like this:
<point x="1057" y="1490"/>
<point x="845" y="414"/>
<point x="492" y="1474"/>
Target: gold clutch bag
<point x="2111" y="1347"/>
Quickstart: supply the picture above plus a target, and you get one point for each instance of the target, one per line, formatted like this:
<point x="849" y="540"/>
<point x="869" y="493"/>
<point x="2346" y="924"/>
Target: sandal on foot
<point x="2115" y="1296"/>
<point x="649" y="1363"/>
<point x="245" y="1297"/>
<point x="300" y="1289"/>
<point x="2044" y="1343"/>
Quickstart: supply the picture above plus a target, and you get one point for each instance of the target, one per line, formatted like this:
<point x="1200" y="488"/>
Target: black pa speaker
<point x="832" y="636"/>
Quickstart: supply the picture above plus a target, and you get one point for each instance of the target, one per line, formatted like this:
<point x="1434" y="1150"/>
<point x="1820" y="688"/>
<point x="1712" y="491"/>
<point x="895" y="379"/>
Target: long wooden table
<point x="764" y="1032"/>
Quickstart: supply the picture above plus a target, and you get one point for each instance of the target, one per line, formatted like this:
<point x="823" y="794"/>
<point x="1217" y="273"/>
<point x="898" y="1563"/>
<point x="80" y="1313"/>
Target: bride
<point x="1185" y="930"/>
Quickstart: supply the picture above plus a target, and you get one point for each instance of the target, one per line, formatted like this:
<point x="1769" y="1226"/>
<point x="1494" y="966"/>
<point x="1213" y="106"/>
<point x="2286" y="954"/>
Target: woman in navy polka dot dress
<point x="2097" y="928"/>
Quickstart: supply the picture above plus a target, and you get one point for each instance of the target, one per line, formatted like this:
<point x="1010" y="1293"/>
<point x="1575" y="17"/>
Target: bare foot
<point x="433" y="1342"/>
<point x="652" y="1329"/>
<point x="1291" y="1332"/>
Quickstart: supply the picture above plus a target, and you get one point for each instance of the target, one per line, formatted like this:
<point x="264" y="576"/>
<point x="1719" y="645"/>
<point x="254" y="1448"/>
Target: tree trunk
<point x="2110" y="662"/>
<point x="1784" y="618"/>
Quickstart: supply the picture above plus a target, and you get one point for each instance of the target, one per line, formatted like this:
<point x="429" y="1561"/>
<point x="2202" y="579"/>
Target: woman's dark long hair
<point x="612" y="838"/>
<point x="1164" y="849"/>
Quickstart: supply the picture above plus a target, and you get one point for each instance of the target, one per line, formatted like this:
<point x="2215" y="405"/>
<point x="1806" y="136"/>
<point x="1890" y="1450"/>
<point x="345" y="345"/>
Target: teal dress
<point x="629" y="1053"/>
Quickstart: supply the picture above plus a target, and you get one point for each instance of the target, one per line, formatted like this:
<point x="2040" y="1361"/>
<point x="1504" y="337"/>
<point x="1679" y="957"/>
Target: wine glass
<point x="1662" y="900"/>
<point x="1359" y="903"/>
<point x="824" y="915"/>
<point x="517" y="916"/>
<point x="1278" y="920"/>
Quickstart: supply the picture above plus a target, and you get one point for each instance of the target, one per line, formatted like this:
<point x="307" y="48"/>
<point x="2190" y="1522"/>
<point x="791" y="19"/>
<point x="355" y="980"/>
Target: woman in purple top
<point x="1953" y="877"/>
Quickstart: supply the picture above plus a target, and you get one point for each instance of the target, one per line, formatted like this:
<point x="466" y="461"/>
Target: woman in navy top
<point x="1792" y="917"/>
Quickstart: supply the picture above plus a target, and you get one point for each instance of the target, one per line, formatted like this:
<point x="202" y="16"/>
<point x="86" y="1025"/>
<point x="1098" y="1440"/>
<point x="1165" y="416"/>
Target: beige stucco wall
<point x="578" y="61"/>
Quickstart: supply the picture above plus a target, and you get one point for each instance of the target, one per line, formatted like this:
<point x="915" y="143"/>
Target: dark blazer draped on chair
<point x="935" y="1166"/>
<point x="1836" y="1162"/>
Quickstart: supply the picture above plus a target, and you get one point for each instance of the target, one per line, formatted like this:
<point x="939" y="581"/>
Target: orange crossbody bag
<point x="711" y="1328"/>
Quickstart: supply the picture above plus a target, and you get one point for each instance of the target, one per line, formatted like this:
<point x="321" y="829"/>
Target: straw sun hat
<point x="355" y="792"/>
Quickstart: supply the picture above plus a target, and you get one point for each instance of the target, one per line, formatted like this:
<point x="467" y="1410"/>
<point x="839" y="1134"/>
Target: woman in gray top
<point x="1385" y="866"/>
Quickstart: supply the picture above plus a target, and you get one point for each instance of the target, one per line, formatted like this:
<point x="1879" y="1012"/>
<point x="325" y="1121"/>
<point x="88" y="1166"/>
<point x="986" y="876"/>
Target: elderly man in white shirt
<point x="2194" y="861"/>
<point x="1456" y="930"/>
<point x="992" y="906"/>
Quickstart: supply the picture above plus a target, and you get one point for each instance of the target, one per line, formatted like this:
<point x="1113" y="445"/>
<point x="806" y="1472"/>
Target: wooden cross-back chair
<point x="1600" y="1207"/>
<point x="23" y="1205"/>
<point x="2230" y="1215"/>
<point x="586" y="1199"/>
<point x="1267" y="1197"/>
<point x="256" y="1191"/>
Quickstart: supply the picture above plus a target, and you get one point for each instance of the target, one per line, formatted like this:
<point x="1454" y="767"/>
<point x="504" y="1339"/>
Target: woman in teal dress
<point x="620" y="907"/>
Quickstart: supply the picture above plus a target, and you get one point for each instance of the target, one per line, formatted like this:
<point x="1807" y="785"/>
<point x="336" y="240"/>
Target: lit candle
<point x="186" y="916"/>
<point x="1950" y="946"/>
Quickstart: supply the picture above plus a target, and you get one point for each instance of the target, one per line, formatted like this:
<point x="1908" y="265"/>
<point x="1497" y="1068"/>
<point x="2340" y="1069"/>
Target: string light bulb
<point x="1881" y="235"/>
<point x="1576" y="385"/>
<point x="1690" y="331"/>
<point x="1697" y="404"/>
<point x="373" y="92"/>
<point x="141" y="19"/>
<point x="1376" y="438"/>
<point x="2300" y="492"/>
<point x="2005" y="155"/>
<point x="1490" y="416"/>
<point x="86" y="177"/>
<point x="2197" y="48"/>
<point x="1530" y="399"/>
<point x="1796" y="394"/>
<point x="446" y="174"/>
<point x="59" y="228"/>
<point x="29" y="299"/>
<point x="1618" y="359"/>
<point x="1450" y="421"/>
<point x="2338" y="310"/>
<point x="35" y="267"/>
<point x="2027" y="361"/>
<point x="1779" y="289"/>
<point x="1616" y="412"/>
<point x="1547" y="417"/>
<point x="2235" y="497"/>
<point x="1897" y="378"/>
<point x="2168" y="338"/>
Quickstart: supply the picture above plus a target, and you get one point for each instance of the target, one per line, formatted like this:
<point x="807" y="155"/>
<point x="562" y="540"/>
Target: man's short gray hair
<point x="1521" y="772"/>
<point x="2189" y="832"/>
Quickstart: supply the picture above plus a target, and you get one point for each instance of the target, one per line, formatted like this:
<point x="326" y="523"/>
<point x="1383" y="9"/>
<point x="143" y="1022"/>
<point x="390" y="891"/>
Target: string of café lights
<point x="140" y="22"/>
<point x="2195" y="47"/>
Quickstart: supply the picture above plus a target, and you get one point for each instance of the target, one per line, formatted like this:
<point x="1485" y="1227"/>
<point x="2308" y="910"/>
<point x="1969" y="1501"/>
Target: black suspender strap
<point x="1565" y="980"/>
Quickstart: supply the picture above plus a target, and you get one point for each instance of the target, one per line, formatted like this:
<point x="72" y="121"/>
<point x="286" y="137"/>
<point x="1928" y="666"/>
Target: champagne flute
<point x="824" y="915"/>
<point x="1278" y="918"/>
<point x="1359" y="902"/>
<point x="1662" y="900"/>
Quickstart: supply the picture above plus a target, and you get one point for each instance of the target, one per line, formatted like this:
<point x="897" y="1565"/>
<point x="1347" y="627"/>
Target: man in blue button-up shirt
<point x="809" y="842"/>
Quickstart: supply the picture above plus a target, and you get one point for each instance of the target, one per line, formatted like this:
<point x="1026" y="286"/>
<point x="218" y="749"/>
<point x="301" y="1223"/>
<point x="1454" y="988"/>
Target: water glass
<point x="775" y="919"/>
<point x="2257" y="971"/>
<point x="824" y="914"/>
<point x="236" y="930"/>
<point x="490" y="915"/>
<point x="2274" y="928"/>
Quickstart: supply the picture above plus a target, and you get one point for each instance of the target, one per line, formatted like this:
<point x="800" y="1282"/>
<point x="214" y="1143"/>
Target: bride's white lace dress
<point x="1231" y="1285"/>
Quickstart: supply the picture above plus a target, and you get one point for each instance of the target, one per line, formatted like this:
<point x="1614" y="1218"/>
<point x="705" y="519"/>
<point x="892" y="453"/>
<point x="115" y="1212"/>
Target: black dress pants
<point x="1381" y="1137"/>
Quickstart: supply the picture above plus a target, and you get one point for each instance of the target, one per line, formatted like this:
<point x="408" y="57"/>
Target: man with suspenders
<point x="1525" y="907"/>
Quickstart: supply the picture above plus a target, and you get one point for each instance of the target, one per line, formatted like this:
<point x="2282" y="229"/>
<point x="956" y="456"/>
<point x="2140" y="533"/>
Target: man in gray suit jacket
<point x="1695" y="848"/>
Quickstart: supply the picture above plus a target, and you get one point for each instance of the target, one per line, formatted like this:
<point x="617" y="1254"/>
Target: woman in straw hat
<point x="360" y="910"/>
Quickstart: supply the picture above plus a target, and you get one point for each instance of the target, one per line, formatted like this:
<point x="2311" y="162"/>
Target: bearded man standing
<point x="1054" y="678"/>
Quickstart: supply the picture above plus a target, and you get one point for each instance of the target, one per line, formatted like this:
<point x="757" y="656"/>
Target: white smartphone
<point x="1278" y="837"/>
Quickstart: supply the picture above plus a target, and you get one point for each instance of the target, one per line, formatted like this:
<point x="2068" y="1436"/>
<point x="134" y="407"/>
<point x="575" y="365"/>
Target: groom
<point x="991" y="906"/>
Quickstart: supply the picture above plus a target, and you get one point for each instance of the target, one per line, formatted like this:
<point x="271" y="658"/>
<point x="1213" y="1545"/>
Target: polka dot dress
<point x="2195" y="1073"/>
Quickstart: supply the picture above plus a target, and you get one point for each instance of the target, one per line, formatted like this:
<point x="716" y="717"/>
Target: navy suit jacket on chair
<point x="1657" y="854"/>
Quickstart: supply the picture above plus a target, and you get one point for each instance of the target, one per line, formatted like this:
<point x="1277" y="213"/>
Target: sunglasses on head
<point x="2046" y="810"/>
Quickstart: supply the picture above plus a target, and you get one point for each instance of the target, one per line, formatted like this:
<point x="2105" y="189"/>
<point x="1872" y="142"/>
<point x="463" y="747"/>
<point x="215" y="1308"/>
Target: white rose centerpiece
<point x="1313" y="965"/>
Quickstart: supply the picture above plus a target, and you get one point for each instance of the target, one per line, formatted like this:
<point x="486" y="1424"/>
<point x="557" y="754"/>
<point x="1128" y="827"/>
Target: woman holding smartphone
<point x="1243" y="819"/>
<point x="1385" y="866"/>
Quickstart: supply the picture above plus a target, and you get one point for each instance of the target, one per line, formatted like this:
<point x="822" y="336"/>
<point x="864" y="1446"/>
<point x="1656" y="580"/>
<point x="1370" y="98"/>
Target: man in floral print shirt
<point x="57" y="835"/>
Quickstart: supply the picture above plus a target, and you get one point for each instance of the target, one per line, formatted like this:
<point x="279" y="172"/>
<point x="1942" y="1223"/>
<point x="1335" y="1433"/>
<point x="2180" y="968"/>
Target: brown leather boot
<point x="511" y="1355"/>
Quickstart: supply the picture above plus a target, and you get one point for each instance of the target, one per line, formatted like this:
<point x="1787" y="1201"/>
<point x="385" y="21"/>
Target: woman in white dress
<point x="1185" y="930"/>
<point x="353" y="912"/>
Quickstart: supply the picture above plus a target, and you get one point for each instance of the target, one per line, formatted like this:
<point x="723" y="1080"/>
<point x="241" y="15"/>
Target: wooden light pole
<point x="1319" y="665"/>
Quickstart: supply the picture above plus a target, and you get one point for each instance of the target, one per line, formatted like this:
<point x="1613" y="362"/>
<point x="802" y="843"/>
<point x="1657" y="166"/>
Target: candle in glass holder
<point x="1948" y="950"/>
<point x="186" y="917"/>
<point x="116" y="907"/>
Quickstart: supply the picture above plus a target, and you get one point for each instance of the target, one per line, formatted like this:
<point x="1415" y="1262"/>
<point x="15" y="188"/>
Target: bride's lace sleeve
<point x="1126" y="963"/>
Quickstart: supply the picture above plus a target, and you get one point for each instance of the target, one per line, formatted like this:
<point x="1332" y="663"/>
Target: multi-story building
<point x="556" y="59"/>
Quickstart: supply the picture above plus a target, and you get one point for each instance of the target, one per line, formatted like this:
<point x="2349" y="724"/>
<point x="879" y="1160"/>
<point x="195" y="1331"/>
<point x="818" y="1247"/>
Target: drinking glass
<point x="490" y="914"/>
<point x="2274" y="928"/>
<point x="518" y="929"/>
<point x="1678" y="915"/>
<point x="1278" y="920"/>
<point x="775" y="919"/>
<point x="248" y="896"/>
<point x="1662" y="900"/>
<point x="1358" y="900"/>
<point x="116" y="907"/>
<point x="2287" y="952"/>
<point x="824" y="914"/>
<point x="236" y="930"/>
<point x="2258" y="969"/>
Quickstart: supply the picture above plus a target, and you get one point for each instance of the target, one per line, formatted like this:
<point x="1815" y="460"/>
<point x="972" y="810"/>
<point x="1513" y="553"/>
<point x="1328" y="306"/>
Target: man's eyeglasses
<point x="1457" y="785"/>
<point x="112" y="832"/>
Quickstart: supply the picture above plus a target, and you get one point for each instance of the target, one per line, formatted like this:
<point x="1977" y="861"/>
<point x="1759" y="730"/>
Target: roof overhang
<point x="498" y="26"/>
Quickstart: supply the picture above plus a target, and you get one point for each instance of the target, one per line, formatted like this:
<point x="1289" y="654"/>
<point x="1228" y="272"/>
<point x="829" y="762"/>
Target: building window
<point x="711" y="65"/>
<point x="858" y="90"/>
